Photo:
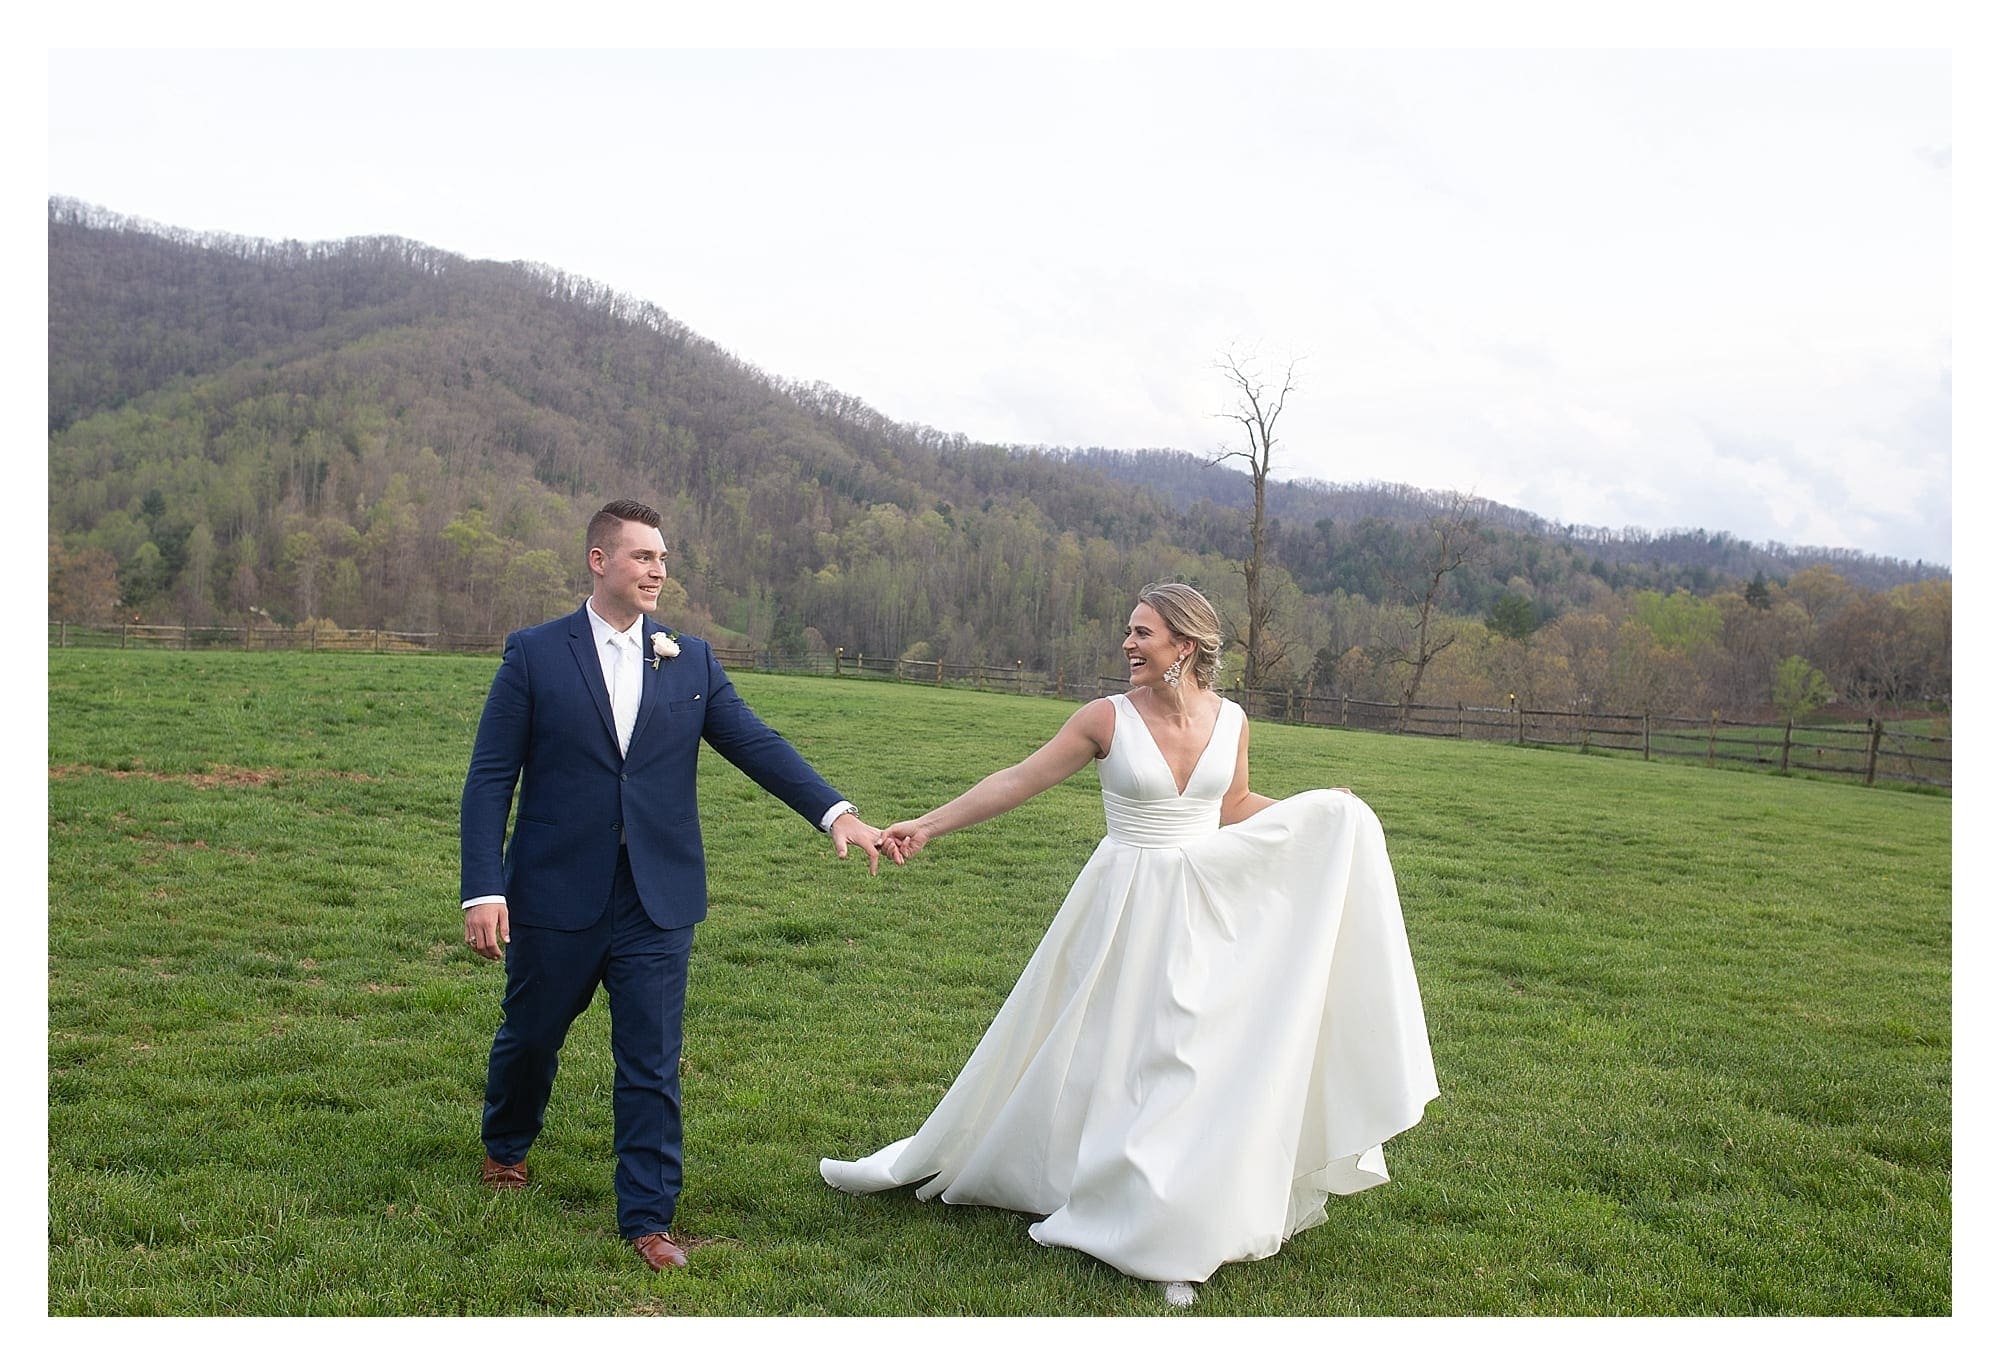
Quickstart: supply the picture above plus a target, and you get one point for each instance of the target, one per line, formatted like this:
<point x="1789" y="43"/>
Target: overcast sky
<point x="1618" y="288"/>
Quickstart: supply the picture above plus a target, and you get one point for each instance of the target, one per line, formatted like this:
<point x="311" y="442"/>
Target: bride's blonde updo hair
<point x="1189" y="615"/>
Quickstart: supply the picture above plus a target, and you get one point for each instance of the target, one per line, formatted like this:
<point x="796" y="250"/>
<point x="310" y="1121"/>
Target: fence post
<point x="1461" y="720"/>
<point x="1019" y="684"/>
<point x="1785" y="754"/>
<point x="1343" y="710"/>
<point x="838" y="650"/>
<point x="124" y="634"/>
<point x="1646" y="729"/>
<point x="1874" y="745"/>
<point x="940" y="676"/>
<point x="1520" y="725"/>
<point x="1712" y="717"/>
<point x="1582" y="731"/>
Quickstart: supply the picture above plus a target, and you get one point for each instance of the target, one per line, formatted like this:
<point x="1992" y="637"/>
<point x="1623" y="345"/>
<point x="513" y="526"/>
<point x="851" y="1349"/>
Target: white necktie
<point x="625" y="685"/>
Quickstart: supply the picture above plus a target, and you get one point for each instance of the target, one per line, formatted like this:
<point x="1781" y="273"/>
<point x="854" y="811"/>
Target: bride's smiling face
<point x="1150" y="648"/>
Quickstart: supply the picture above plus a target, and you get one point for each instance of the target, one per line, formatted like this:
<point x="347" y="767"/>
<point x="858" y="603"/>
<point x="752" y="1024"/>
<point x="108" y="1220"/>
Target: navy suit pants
<point x="551" y="976"/>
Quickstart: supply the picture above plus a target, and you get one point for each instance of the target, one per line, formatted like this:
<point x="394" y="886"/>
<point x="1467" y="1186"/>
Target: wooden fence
<point x="272" y="638"/>
<point x="1913" y="752"/>
<point x="1917" y="752"/>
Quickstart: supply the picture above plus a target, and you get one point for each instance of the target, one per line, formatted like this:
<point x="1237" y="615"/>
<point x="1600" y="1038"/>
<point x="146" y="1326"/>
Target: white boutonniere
<point x="666" y="645"/>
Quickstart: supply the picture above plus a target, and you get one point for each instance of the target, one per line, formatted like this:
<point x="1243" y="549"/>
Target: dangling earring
<point x="1173" y="673"/>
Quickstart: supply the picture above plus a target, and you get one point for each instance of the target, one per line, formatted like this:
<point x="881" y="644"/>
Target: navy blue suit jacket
<point x="547" y="726"/>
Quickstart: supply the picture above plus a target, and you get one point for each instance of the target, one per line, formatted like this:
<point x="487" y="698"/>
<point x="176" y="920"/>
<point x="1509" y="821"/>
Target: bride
<point x="1221" y="1025"/>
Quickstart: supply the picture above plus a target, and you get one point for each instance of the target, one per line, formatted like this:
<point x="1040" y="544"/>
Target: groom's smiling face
<point x="628" y="573"/>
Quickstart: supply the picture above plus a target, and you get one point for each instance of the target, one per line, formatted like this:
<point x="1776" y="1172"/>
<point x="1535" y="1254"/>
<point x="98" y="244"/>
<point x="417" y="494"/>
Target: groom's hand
<point x="850" y="829"/>
<point x="486" y="929"/>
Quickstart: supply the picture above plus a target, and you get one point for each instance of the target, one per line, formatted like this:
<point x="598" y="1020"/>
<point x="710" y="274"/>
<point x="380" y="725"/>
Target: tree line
<point x="377" y="434"/>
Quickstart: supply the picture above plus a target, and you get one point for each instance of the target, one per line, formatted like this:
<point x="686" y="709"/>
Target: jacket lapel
<point x="649" y="685"/>
<point x="583" y="644"/>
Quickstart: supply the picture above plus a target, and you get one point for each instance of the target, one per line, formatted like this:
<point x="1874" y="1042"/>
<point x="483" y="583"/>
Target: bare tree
<point x="1452" y="535"/>
<point x="1257" y="409"/>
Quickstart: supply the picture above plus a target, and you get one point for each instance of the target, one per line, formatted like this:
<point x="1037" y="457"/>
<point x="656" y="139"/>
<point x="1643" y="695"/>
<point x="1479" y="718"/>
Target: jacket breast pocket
<point x="693" y="704"/>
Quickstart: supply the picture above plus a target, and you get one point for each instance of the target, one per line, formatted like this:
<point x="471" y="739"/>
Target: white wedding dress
<point x="1220" y="1028"/>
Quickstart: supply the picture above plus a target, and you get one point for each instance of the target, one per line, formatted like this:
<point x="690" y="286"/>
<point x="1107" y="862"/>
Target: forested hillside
<point x="376" y="433"/>
<point x="1321" y="522"/>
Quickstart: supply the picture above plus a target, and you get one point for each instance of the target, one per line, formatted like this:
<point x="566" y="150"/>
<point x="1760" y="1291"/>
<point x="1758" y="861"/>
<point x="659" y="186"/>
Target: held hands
<point x="904" y="838"/>
<point x="849" y="829"/>
<point x="486" y="929"/>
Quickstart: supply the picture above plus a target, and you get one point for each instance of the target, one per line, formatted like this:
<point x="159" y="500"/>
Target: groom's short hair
<point x="604" y="526"/>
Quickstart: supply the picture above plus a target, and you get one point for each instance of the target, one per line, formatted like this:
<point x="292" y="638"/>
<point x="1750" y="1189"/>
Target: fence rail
<point x="1918" y="753"/>
<point x="272" y="638"/>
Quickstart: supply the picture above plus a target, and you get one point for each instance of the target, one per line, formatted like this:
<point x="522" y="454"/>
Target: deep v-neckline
<point x="1214" y="729"/>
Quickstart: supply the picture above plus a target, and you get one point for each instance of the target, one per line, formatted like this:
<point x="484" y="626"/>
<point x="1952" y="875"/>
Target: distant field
<point x="1693" y="1027"/>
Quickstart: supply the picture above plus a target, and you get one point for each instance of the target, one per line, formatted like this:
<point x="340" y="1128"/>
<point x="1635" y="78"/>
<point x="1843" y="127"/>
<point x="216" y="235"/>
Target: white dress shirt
<point x="619" y="653"/>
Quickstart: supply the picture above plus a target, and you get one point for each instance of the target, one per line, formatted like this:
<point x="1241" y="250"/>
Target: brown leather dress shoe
<point x="495" y="1175"/>
<point x="659" y="1250"/>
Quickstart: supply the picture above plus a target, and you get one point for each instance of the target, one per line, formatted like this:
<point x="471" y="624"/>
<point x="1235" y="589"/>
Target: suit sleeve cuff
<point x="839" y="809"/>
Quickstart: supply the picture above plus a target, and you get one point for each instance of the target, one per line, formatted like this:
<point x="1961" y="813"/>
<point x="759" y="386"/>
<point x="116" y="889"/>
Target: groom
<point x="598" y="716"/>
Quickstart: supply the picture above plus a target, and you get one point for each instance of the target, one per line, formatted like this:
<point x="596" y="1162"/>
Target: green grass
<point x="1692" y="1027"/>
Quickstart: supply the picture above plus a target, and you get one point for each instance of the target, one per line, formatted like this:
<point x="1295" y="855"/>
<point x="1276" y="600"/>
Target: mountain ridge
<point x="385" y="434"/>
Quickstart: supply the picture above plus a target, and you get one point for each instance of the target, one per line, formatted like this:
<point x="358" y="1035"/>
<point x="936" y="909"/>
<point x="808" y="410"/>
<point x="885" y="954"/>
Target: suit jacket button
<point x="616" y="827"/>
<point x="621" y="777"/>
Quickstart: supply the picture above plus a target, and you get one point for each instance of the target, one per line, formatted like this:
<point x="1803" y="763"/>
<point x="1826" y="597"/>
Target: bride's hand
<point x="907" y="835"/>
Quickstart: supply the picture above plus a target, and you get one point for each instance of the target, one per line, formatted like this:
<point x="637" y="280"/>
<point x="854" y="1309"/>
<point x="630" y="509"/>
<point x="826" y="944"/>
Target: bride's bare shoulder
<point x="1096" y="719"/>
<point x="1100" y="712"/>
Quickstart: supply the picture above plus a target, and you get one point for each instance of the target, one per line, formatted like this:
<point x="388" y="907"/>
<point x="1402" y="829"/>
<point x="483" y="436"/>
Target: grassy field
<point x="1692" y="1027"/>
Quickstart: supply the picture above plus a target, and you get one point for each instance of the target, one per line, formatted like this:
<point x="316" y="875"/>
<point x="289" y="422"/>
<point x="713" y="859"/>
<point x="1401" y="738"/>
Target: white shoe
<point x="1179" y="1293"/>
